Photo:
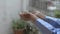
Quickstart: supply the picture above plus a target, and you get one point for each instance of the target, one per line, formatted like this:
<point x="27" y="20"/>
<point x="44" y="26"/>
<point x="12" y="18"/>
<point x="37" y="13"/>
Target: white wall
<point x="25" y="4"/>
<point x="9" y="10"/>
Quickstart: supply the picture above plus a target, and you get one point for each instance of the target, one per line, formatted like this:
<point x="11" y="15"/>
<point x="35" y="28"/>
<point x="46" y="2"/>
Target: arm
<point x="51" y="20"/>
<point x="39" y="22"/>
<point x="43" y="26"/>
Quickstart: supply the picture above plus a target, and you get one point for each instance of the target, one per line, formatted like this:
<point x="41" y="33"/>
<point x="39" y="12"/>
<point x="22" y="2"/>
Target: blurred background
<point x="48" y="7"/>
<point x="9" y="10"/>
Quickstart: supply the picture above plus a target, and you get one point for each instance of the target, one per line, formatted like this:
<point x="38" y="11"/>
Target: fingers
<point x="26" y="14"/>
<point x="34" y="12"/>
<point x="22" y="13"/>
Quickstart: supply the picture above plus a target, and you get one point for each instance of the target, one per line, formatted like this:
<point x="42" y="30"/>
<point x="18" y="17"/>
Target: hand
<point x="27" y="16"/>
<point x="38" y="14"/>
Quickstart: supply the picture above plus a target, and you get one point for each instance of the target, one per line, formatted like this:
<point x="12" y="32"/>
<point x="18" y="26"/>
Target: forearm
<point x="42" y="16"/>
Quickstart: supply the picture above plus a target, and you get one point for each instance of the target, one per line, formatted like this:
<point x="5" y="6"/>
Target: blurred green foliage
<point x="18" y="24"/>
<point x="21" y="24"/>
<point x="57" y="13"/>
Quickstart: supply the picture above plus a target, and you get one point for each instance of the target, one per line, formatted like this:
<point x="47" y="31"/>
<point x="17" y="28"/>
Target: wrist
<point x="34" y="19"/>
<point x="41" y="16"/>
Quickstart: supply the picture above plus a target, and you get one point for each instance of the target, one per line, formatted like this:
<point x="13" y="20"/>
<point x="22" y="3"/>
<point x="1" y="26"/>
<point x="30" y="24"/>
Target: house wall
<point x="9" y="10"/>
